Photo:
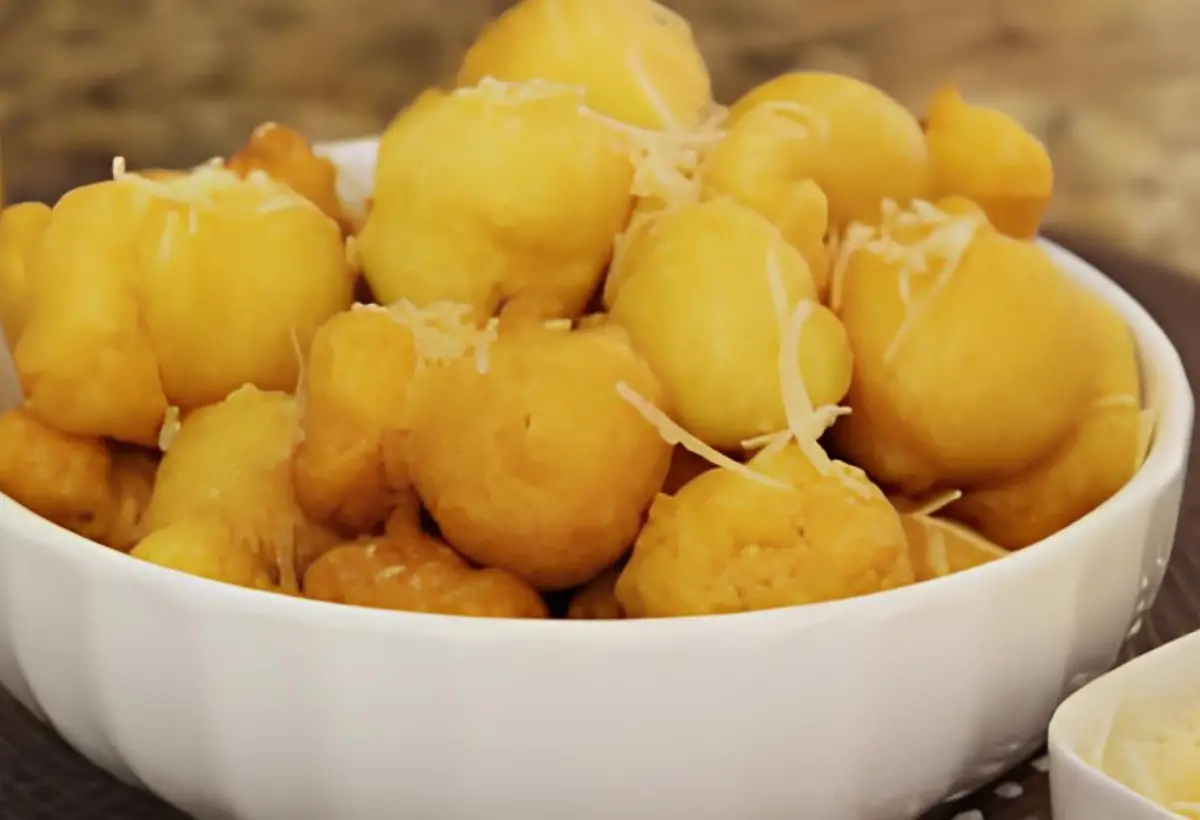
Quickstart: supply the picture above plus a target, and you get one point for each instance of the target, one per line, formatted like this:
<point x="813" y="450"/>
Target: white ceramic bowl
<point x="232" y="703"/>
<point x="1097" y="715"/>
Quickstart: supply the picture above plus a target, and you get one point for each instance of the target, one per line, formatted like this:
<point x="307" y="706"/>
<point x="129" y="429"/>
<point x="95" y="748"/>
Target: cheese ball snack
<point x="781" y="532"/>
<point x="493" y="192"/>
<point x="82" y="484"/>
<point x="597" y="599"/>
<point x="862" y="146"/>
<point x="285" y="155"/>
<point x="709" y="290"/>
<point x="537" y="465"/>
<point x="938" y="548"/>
<point x="211" y="547"/>
<point x="635" y="59"/>
<point x="413" y="572"/>
<point x="1096" y="460"/>
<point x="685" y="465"/>
<point x="765" y="162"/>
<point x="354" y="396"/>
<point x="972" y="361"/>
<point x="21" y="228"/>
<point x="147" y="294"/>
<point x="232" y="462"/>
<point x="985" y="155"/>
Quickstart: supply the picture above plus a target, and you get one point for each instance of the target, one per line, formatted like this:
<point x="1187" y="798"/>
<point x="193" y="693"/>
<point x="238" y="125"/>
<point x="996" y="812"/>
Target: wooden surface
<point x="42" y="779"/>
<point x="1112" y="85"/>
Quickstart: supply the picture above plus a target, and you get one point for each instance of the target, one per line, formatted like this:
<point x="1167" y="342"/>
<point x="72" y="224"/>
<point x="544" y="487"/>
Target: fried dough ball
<point x="939" y="548"/>
<point x="21" y="228"/>
<point x="209" y="546"/>
<point x="416" y="573"/>
<point x="539" y="466"/>
<point x="729" y="543"/>
<point x="1098" y="459"/>
<point x="986" y="155"/>
<point x="232" y="461"/>
<point x="145" y="294"/>
<point x="597" y="599"/>
<point x="971" y="360"/>
<point x="765" y="162"/>
<point x="862" y="147"/>
<point x="492" y="192"/>
<point x="355" y="395"/>
<point x="636" y="59"/>
<point x="82" y="484"/>
<point x="287" y="156"/>
<point x="699" y="304"/>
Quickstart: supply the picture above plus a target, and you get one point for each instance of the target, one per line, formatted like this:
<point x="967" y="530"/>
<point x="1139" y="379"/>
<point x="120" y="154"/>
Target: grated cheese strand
<point x="673" y="434"/>
<point x="951" y="242"/>
<point x="170" y="428"/>
<point x="936" y="503"/>
<point x="443" y="332"/>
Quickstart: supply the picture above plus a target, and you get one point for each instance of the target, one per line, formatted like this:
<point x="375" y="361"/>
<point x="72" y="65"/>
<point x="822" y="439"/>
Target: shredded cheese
<point x="1116" y="400"/>
<point x="805" y="423"/>
<point x="170" y="428"/>
<point x="936" y="503"/>
<point x="444" y="332"/>
<point x="673" y="434"/>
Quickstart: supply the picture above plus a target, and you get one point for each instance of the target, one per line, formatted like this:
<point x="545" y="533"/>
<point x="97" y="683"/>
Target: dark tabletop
<point x="42" y="779"/>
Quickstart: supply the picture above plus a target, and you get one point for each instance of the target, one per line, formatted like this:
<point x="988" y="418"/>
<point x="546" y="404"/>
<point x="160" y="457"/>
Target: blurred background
<point x="1112" y="86"/>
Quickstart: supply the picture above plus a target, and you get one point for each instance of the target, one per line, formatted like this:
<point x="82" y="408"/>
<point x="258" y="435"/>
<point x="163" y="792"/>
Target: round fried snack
<point x="147" y="293"/>
<point x="597" y="599"/>
<point x="21" y="228"/>
<point x="636" y="59"/>
<point x="986" y="155"/>
<point x="416" y="573"/>
<point x="939" y="548"/>
<point x="1100" y="456"/>
<point x="538" y="465"/>
<point x="232" y="462"/>
<point x="971" y="359"/>
<point x="354" y="395"/>
<point x="208" y="546"/>
<point x="765" y="162"/>
<point x="492" y="192"/>
<point x="287" y="156"/>
<point x="728" y="543"/>
<point x="82" y="484"/>
<point x="862" y="146"/>
<point x="708" y="292"/>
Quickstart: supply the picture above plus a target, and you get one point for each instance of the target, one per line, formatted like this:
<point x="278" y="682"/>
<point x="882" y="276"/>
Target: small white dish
<point x="1089" y="727"/>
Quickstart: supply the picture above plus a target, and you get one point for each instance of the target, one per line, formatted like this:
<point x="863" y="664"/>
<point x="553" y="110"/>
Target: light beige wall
<point x="1112" y="85"/>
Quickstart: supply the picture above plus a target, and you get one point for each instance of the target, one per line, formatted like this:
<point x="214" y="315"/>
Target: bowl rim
<point x="1165" y="461"/>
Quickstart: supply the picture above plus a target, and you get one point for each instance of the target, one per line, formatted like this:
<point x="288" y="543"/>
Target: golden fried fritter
<point x="232" y="462"/>
<point x="492" y="192"/>
<point x="1100" y="456"/>
<point x="208" y="546"/>
<point x="597" y="599"/>
<point x="635" y="59"/>
<point x="971" y="359"/>
<point x="706" y="295"/>
<point x="415" y="573"/>
<point x="861" y="146"/>
<point x="729" y="543"/>
<point x="82" y="484"/>
<point x="355" y="395"/>
<point x="538" y="465"/>
<point x="986" y="156"/>
<point x="287" y="156"/>
<point x="21" y="228"/>
<point x="146" y="294"/>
